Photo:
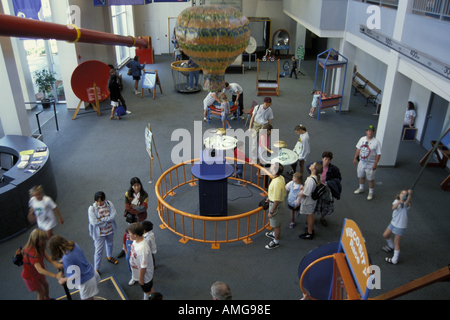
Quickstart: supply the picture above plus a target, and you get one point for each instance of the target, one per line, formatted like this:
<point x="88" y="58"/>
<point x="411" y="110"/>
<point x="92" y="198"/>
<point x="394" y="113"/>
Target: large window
<point x="119" y="16"/>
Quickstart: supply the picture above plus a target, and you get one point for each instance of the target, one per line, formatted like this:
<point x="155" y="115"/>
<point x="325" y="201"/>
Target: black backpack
<point x="319" y="191"/>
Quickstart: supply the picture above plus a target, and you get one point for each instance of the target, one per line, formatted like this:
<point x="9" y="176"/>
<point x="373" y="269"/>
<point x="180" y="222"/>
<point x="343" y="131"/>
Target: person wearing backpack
<point x="331" y="177"/>
<point x="308" y="203"/>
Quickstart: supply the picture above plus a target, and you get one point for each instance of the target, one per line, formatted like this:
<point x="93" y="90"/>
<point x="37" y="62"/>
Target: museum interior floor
<point x="93" y="153"/>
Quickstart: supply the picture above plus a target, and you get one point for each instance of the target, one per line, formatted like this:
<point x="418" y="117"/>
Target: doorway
<point x="152" y="27"/>
<point x="437" y="110"/>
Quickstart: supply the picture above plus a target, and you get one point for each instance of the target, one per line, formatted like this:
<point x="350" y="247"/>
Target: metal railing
<point x="384" y="3"/>
<point x="438" y="9"/>
<point x="214" y="230"/>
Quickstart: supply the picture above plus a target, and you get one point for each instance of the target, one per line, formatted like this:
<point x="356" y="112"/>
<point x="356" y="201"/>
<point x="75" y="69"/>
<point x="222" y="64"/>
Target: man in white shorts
<point x="368" y="149"/>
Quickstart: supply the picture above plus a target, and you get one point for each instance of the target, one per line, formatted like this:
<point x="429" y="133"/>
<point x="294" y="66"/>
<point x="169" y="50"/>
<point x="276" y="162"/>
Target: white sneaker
<point x="358" y="191"/>
<point x="370" y="196"/>
<point x="137" y="92"/>
<point x="131" y="282"/>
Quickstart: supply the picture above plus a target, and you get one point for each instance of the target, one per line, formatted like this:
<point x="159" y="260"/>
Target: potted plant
<point x="44" y="82"/>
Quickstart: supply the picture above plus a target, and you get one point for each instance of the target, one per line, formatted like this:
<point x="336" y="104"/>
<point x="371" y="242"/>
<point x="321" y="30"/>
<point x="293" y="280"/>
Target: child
<point x="114" y="90"/>
<point x="239" y="154"/>
<point x="225" y="106"/>
<point x="177" y="52"/>
<point x="127" y="250"/>
<point x="301" y="148"/>
<point x="294" y="67"/>
<point x="315" y="102"/>
<point x="86" y="280"/>
<point x="398" y="224"/>
<point x="41" y="211"/>
<point x="141" y="261"/>
<point x="149" y="236"/>
<point x="308" y="204"/>
<point x="295" y="189"/>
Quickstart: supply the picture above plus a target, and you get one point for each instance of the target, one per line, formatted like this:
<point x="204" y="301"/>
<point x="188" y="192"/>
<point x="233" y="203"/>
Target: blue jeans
<point x="192" y="75"/>
<point x="239" y="170"/>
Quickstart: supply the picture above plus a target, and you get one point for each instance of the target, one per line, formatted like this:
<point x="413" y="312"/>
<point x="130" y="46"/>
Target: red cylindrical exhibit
<point x="12" y="26"/>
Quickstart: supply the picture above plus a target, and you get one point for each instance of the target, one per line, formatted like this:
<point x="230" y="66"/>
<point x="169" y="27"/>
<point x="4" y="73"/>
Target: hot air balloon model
<point x="213" y="36"/>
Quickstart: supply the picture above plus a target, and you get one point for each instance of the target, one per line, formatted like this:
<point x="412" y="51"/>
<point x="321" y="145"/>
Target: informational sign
<point x="148" y="80"/>
<point x="148" y="140"/>
<point x="300" y="52"/>
<point x="91" y="94"/>
<point x="354" y="247"/>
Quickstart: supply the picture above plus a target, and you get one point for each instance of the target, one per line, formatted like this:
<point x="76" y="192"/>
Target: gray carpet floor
<point x="93" y="153"/>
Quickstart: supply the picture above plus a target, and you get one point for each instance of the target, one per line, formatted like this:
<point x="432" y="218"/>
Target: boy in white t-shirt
<point x="42" y="209"/>
<point x="141" y="261"/>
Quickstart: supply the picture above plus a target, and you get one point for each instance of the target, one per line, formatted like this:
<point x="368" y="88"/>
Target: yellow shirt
<point x="277" y="189"/>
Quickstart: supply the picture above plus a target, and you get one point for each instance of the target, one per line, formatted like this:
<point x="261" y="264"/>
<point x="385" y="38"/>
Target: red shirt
<point x="30" y="257"/>
<point x="240" y="155"/>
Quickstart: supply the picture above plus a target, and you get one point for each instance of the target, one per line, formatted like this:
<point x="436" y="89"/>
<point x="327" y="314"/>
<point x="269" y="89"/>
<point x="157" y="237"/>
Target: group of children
<point x="139" y="247"/>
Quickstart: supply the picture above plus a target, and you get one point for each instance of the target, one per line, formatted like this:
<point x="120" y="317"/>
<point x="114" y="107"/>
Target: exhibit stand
<point x="332" y="88"/>
<point x="212" y="173"/>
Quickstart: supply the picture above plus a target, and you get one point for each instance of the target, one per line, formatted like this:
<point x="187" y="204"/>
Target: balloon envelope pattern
<point x="212" y="36"/>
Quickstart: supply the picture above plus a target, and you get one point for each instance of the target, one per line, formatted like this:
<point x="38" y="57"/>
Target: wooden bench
<point x="366" y="88"/>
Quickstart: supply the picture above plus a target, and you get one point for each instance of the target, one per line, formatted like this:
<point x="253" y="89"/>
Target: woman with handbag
<point x="102" y="226"/>
<point x="34" y="271"/>
<point x="136" y="202"/>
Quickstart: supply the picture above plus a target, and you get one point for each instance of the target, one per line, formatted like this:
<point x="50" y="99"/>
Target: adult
<point x="237" y="96"/>
<point x="84" y="276"/>
<point x="368" y="150"/>
<point x="262" y="114"/>
<point x="34" y="272"/>
<point x="193" y="75"/>
<point x="264" y="151"/>
<point x="114" y="94"/>
<point x="209" y="100"/>
<point x="136" y="200"/>
<point x="102" y="226"/>
<point x="410" y="115"/>
<point x="136" y="69"/>
<point x="301" y="148"/>
<point x="308" y="204"/>
<point x="276" y="196"/>
<point x="331" y="177"/>
<point x="120" y="82"/>
<point x="221" y="291"/>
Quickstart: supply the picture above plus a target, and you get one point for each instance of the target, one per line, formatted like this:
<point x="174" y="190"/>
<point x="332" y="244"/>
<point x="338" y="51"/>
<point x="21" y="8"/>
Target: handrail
<point x="168" y="214"/>
<point x="306" y="270"/>
<point x="175" y="66"/>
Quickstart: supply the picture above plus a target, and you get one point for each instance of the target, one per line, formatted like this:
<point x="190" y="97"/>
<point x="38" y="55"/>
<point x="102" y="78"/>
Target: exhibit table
<point x="285" y="157"/>
<point x="16" y="182"/>
<point x="219" y="142"/>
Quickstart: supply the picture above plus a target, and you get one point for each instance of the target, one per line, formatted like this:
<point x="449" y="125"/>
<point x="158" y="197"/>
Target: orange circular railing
<point x="214" y="230"/>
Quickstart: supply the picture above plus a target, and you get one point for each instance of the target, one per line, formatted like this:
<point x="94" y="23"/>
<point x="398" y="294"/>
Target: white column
<point x="13" y="113"/>
<point x="348" y="51"/>
<point x="393" y="107"/>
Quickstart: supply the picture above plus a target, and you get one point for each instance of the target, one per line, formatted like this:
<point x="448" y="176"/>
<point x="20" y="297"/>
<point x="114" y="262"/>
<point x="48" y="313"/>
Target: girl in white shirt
<point x="398" y="224"/>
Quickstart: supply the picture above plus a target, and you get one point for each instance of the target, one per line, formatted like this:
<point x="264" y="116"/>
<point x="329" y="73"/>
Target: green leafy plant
<point x="44" y="81"/>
